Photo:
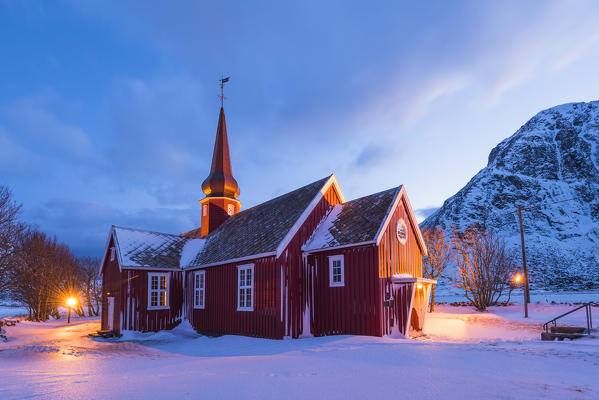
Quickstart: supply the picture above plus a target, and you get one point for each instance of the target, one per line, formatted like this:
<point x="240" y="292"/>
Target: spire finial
<point x="222" y="87"/>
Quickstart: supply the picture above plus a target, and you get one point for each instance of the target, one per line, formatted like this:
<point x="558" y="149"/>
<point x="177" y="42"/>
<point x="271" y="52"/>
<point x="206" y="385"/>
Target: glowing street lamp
<point x="71" y="302"/>
<point x="519" y="279"/>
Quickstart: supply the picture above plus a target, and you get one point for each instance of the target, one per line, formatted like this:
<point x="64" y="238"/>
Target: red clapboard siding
<point x="294" y="269"/>
<point x="349" y="309"/>
<point x="134" y="302"/>
<point x="398" y="311"/>
<point x="111" y="286"/>
<point x="220" y="314"/>
<point x="130" y="289"/>
<point x="395" y="258"/>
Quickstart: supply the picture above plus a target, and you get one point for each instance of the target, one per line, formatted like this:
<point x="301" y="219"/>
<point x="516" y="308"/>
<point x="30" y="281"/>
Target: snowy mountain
<point x="550" y="166"/>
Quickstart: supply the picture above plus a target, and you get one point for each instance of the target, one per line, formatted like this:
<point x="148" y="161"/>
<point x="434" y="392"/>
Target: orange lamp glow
<point x="71" y="302"/>
<point x="517" y="278"/>
<point x="419" y="286"/>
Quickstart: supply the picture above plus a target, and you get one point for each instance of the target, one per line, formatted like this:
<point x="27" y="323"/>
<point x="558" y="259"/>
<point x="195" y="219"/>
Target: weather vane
<point x="221" y="96"/>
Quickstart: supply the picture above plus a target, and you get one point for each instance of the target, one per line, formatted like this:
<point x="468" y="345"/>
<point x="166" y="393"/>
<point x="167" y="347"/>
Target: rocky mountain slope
<point x="551" y="167"/>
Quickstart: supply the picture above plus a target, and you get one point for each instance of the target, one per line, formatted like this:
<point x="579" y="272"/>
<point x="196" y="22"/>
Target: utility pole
<point x="526" y="288"/>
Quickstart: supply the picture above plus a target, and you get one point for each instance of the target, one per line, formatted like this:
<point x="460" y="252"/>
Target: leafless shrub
<point x="439" y="254"/>
<point x="44" y="274"/>
<point x="484" y="266"/>
<point x="10" y="231"/>
<point x="92" y="284"/>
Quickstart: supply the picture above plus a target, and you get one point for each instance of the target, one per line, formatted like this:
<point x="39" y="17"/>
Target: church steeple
<point x="220" y="187"/>
<point x="220" y="182"/>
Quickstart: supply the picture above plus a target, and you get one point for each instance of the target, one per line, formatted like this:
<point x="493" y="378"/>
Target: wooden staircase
<point x="570" y="332"/>
<point x="103" y="334"/>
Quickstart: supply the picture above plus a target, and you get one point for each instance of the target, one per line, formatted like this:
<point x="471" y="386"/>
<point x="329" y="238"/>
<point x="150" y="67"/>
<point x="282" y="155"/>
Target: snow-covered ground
<point x="465" y="354"/>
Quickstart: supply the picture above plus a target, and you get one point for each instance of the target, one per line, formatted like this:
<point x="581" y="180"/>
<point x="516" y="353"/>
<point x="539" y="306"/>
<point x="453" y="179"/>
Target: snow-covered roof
<point x="353" y="222"/>
<point x="256" y="231"/>
<point x="137" y="248"/>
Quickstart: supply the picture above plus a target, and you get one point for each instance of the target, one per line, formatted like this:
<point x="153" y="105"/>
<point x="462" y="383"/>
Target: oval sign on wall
<point x="402" y="231"/>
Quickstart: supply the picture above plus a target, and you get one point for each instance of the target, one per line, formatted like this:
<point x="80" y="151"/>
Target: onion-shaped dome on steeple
<point x="220" y="182"/>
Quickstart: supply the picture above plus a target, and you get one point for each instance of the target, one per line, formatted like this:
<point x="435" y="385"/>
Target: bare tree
<point x="92" y="284"/>
<point x="44" y="274"/>
<point x="439" y="254"/>
<point x="484" y="266"/>
<point x="10" y="230"/>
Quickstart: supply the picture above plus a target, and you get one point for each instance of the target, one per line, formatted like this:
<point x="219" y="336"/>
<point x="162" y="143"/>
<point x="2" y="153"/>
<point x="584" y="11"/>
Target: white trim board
<point x="168" y="290"/>
<point x="231" y="261"/>
<point x="332" y="181"/>
<point x="310" y="251"/>
<point x="401" y="194"/>
<point x="158" y="269"/>
<point x="246" y="267"/>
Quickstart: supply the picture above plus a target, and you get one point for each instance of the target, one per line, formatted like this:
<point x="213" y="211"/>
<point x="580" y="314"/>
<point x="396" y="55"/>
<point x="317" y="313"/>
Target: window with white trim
<point x="336" y="271"/>
<point x="158" y="288"/>
<point x="199" y="292"/>
<point x="205" y="210"/>
<point x="245" y="288"/>
<point x="112" y="253"/>
<point x="230" y="209"/>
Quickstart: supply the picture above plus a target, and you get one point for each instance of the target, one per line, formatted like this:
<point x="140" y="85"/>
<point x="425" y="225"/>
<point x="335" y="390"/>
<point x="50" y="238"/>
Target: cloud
<point x="84" y="225"/>
<point x="372" y="155"/>
<point x="41" y="131"/>
<point x="424" y="213"/>
<point x="15" y="159"/>
<point x="160" y="136"/>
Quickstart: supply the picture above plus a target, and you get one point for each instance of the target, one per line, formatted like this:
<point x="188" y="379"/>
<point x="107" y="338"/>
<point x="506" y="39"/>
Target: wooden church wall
<point x="396" y="258"/>
<point x="396" y="313"/>
<point x="111" y="286"/>
<point x="134" y="302"/>
<point x="354" y="308"/>
<point x="130" y="291"/>
<point x="220" y="314"/>
<point x="293" y="267"/>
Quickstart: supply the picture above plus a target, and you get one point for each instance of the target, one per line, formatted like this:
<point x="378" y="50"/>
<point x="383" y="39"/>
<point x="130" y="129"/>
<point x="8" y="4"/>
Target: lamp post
<point x="518" y="278"/>
<point x="71" y="302"/>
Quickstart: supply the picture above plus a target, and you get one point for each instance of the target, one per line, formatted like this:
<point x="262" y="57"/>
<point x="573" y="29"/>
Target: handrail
<point x="588" y="315"/>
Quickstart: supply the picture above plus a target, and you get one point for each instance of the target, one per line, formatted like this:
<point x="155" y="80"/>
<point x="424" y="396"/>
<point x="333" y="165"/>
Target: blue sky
<point x="108" y="111"/>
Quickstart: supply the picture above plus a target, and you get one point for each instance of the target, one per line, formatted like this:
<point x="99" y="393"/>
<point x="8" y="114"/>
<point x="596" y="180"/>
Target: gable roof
<point x="137" y="248"/>
<point x="353" y="222"/>
<point x="259" y="230"/>
<point x="402" y="195"/>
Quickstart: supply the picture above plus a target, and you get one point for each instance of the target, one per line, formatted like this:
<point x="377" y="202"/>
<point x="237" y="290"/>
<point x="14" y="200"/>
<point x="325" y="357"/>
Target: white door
<point x="110" y="323"/>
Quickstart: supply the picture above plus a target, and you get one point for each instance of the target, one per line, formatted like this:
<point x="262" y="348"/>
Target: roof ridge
<point x="285" y="194"/>
<point x="146" y="230"/>
<point x="398" y="188"/>
<point x="243" y="212"/>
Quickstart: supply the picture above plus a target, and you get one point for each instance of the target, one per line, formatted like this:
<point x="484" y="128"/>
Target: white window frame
<point x="204" y="210"/>
<point x="332" y="260"/>
<point x="112" y="253"/>
<point x="168" y="289"/>
<point x="230" y="209"/>
<point x="241" y="289"/>
<point x="199" y="291"/>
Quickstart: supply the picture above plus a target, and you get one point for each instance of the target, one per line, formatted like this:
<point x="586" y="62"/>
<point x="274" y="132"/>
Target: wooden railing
<point x="586" y="306"/>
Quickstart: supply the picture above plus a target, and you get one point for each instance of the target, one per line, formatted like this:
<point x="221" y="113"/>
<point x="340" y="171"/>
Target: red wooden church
<point x="305" y="263"/>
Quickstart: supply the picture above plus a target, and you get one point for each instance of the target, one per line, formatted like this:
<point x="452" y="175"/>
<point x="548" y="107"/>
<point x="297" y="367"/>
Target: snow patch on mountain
<point x="550" y="167"/>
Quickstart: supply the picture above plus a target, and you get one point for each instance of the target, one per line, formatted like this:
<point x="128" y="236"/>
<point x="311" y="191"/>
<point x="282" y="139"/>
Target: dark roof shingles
<point x="358" y="221"/>
<point x="259" y="229"/>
